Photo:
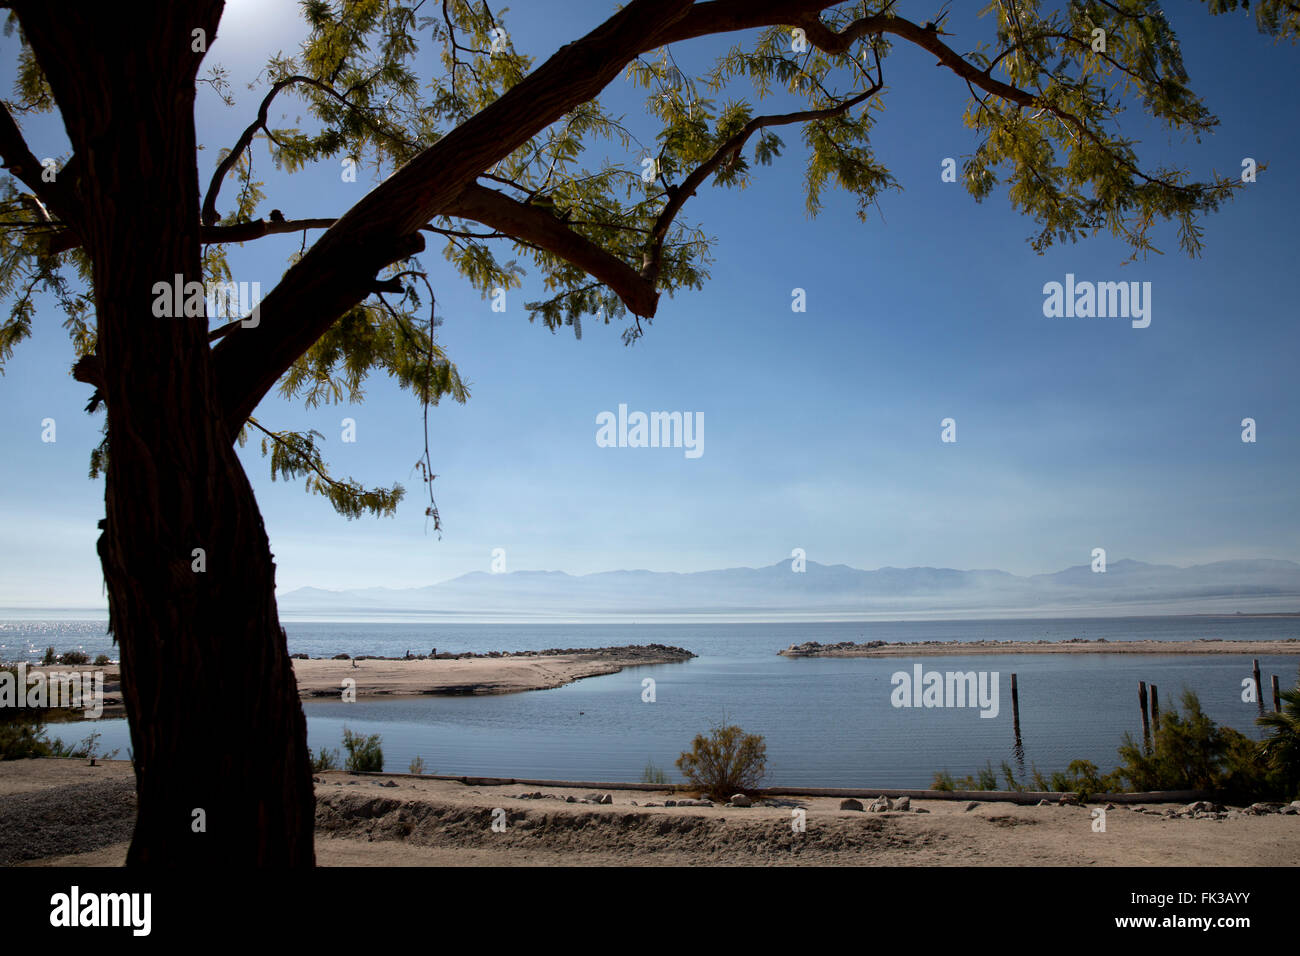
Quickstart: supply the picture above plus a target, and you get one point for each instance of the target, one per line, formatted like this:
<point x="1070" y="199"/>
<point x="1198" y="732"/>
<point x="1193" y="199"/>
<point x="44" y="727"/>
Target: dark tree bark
<point x="216" y="723"/>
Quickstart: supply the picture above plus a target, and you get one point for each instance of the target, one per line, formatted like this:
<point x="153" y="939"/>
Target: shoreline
<point x="457" y="675"/>
<point x="1071" y="646"/>
<point x="64" y="812"/>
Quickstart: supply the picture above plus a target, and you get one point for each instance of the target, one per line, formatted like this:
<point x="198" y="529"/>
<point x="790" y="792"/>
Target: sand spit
<point x="497" y="673"/>
<point x="1072" y="646"/>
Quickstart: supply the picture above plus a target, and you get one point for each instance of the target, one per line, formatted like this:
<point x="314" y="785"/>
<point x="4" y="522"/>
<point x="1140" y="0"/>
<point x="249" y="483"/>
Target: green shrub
<point x="1191" y="752"/>
<point x="1280" y="751"/>
<point x="24" y="738"/>
<point x="364" y="753"/>
<point x="325" y="760"/>
<point x="1082" y="777"/>
<point x="74" y="657"/>
<point x="726" y="762"/>
<point x="986" y="778"/>
<point x="417" y="765"/>
<point x="101" y="660"/>
<point x="1188" y="752"/>
<point x="654" y="774"/>
<point x="50" y="656"/>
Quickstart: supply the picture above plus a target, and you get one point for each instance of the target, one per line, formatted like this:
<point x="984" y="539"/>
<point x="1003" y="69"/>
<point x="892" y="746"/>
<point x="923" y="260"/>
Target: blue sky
<point x="822" y="428"/>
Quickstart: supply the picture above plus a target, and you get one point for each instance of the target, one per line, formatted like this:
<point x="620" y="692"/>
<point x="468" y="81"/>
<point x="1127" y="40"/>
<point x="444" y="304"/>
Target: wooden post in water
<point x="1259" y="687"/>
<point x="1277" y="696"/>
<point x="1155" y="709"/>
<point x="1015" y="705"/>
<point x="1142" y="702"/>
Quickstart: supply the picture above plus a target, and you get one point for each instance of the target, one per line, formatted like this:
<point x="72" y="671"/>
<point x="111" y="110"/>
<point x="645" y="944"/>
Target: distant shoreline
<point x="1071" y="646"/>
<point x="456" y="675"/>
<point x="722" y="616"/>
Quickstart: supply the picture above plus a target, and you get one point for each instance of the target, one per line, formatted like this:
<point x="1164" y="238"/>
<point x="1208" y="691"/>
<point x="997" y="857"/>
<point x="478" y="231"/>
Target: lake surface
<point x="827" y="722"/>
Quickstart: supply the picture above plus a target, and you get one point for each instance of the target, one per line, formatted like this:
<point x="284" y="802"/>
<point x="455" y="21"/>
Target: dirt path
<point x="403" y="821"/>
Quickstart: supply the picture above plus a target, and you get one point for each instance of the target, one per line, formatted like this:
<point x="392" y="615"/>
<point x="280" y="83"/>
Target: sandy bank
<point x="508" y="673"/>
<point x="1073" y="646"/>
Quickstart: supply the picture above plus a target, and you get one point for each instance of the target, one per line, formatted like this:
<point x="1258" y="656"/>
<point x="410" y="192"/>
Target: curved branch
<point x="209" y="215"/>
<point x="677" y="197"/>
<point x="538" y="227"/>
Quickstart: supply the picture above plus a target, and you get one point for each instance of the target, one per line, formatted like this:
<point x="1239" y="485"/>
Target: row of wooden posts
<point x="1151" y="718"/>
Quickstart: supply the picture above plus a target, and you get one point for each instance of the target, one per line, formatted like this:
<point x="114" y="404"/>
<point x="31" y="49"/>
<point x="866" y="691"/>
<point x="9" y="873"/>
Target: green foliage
<point x="50" y="657"/>
<point x="1191" y="752"/>
<point x="325" y="760"/>
<point x="23" y="735"/>
<point x="654" y="774"/>
<point x="726" y="762"/>
<point x="364" y="753"/>
<point x="74" y="658"/>
<point x="1188" y="752"/>
<point x="1278" y="18"/>
<point x="101" y="660"/>
<point x="417" y="766"/>
<point x="23" y="738"/>
<point x="985" y="778"/>
<point x="1280" y="751"/>
<point x="378" y="81"/>
<point x="295" y="455"/>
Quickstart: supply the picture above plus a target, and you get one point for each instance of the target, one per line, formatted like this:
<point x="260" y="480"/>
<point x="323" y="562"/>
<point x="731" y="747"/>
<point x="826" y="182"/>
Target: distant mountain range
<point x="1126" y="587"/>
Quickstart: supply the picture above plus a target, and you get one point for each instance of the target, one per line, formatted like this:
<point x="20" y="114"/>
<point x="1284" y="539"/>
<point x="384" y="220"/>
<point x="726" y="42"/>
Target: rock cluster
<point x="882" y="804"/>
<point x="1207" y="810"/>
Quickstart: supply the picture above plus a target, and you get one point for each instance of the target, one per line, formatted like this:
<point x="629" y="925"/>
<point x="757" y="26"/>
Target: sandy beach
<point x="495" y="673"/>
<point x="507" y="673"/>
<point x="1074" y="646"/>
<point x="411" y="821"/>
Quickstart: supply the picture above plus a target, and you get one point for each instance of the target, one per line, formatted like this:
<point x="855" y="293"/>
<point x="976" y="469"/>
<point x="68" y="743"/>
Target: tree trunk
<point x="218" y="735"/>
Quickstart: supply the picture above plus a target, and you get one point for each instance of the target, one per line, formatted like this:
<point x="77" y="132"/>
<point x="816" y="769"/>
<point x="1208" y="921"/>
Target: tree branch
<point x="383" y="226"/>
<point x="677" y="198"/>
<point x="538" y="227"/>
<point x="20" y="162"/>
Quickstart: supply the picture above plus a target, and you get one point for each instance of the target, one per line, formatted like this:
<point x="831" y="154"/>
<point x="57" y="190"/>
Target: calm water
<point x="827" y="722"/>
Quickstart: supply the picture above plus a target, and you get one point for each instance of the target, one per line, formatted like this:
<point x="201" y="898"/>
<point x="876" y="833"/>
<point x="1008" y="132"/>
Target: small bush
<point x="101" y="660"/>
<point x="1189" y="752"/>
<point x="1081" y="778"/>
<point x="50" y="656"/>
<point x="726" y="762"/>
<point x="23" y="738"/>
<point x="1280" y="750"/>
<point x="364" y="753"/>
<point x="74" y="657"/>
<point x="417" y="766"/>
<point x="654" y="774"/>
<point x="985" y="778"/>
<point x="325" y="760"/>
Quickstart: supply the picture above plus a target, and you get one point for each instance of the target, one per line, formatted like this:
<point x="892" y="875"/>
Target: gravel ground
<point x="62" y="820"/>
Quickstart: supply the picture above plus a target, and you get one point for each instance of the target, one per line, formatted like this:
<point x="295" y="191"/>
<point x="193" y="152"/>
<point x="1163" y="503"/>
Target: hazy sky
<point x="822" y="428"/>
